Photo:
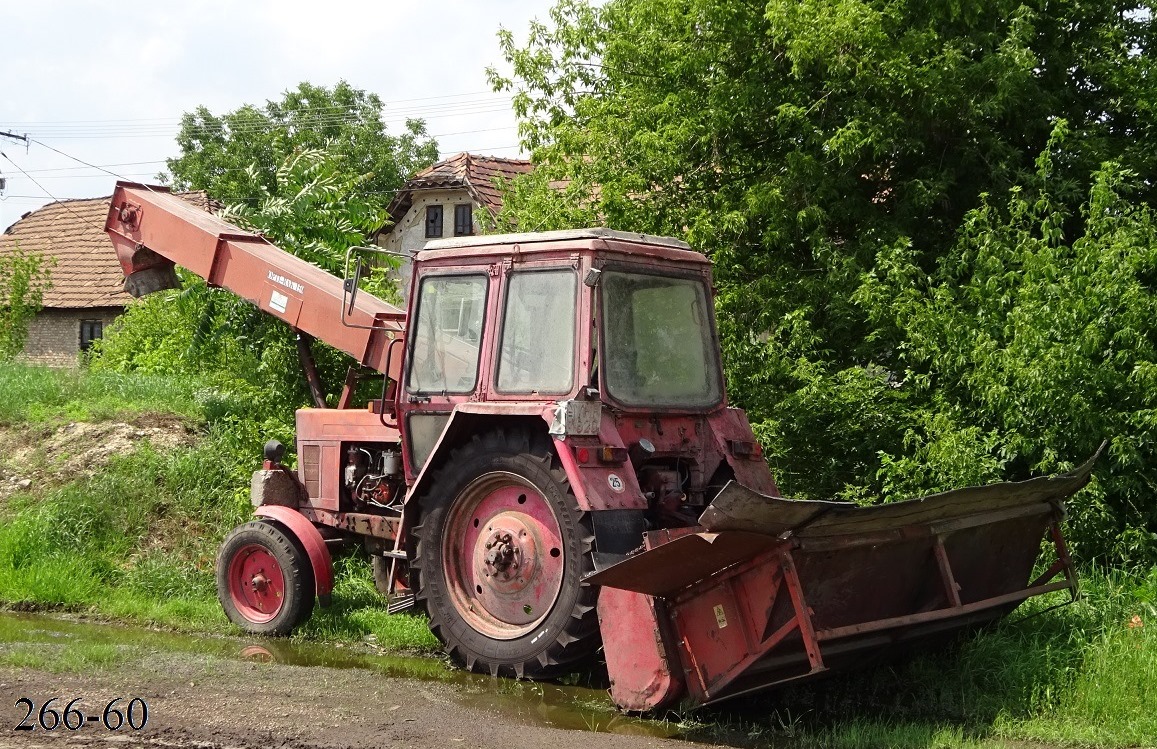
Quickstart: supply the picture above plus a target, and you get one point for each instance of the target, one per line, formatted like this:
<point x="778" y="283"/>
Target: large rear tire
<point x="264" y="579"/>
<point x="502" y="550"/>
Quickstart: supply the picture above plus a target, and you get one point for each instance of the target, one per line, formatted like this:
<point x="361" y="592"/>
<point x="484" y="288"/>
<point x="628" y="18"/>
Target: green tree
<point x="24" y="277"/>
<point x="805" y="145"/>
<point x="1028" y="349"/>
<point x="313" y="172"/>
<point x="233" y="156"/>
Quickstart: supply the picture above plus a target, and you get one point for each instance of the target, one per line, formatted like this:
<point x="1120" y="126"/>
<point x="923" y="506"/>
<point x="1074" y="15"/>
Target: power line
<point x="165" y="161"/>
<point x="201" y="131"/>
<point x="247" y="199"/>
<point x="45" y="190"/>
<point x="337" y="108"/>
<point x="75" y="168"/>
<point x="333" y="116"/>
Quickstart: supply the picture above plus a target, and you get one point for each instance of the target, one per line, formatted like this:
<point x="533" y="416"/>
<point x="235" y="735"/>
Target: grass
<point x="70" y="658"/>
<point x="136" y="541"/>
<point x="30" y="394"/>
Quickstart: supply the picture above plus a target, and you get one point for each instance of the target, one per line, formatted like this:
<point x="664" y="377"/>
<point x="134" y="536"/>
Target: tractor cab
<point x="604" y="322"/>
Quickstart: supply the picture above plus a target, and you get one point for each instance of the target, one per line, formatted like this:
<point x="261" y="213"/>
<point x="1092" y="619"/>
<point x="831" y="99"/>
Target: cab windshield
<point x="658" y="347"/>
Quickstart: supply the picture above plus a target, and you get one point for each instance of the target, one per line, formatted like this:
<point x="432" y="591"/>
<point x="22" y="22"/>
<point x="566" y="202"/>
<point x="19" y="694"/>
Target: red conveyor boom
<point x="153" y="229"/>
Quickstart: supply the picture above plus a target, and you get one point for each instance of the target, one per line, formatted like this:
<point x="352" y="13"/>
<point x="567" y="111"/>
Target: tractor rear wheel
<point x="502" y="549"/>
<point x="264" y="579"/>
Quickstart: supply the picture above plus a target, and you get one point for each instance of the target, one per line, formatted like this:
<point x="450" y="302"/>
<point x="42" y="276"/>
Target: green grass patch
<point x="358" y="611"/>
<point x="65" y="658"/>
<point x="39" y="394"/>
<point x="137" y="540"/>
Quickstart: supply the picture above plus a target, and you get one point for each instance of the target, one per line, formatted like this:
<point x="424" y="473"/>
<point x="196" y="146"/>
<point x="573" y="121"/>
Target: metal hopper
<point x="769" y="590"/>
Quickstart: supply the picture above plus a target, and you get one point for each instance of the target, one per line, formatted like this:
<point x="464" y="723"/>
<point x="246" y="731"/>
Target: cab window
<point x="536" y="354"/>
<point x="447" y="335"/>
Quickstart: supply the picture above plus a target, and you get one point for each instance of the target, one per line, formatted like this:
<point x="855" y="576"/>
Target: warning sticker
<point x="277" y="301"/>
<point x="616" y="483"/>
<point x="720" y="616"/>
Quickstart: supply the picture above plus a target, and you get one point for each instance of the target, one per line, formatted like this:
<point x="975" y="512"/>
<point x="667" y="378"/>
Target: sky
<point x="106" y="83"/>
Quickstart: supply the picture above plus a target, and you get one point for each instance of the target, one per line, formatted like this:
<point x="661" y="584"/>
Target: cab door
<point x="444" y="356"/>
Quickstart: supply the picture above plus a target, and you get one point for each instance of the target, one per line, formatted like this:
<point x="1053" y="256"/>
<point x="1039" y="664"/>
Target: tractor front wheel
<point x="502" y="550"/>
<point x="264" y="579"/>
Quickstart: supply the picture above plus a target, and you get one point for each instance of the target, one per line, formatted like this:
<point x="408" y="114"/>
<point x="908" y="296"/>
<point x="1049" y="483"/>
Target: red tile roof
<point x="86" y="273"/>
<point x="476" y="173"/>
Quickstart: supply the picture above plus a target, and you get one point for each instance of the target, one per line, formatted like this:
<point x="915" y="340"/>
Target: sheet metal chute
<point x="153" y="230"/>
<point x="769" y="590"/>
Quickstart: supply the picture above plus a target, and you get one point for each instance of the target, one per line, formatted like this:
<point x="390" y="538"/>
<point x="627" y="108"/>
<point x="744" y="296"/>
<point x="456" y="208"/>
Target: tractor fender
<point x="610" y="493"/>
<point x="599" y="486"/>
<point x="465" y="420"/>
<point x="595" y="487"/>
<point x="310" y="539"/>
<point x="729" y="425"/>
<point x="468" y="419"/>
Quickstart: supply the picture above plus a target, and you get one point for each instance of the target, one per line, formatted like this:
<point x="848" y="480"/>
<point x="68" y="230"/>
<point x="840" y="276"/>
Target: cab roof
<point x="595" y="238"/>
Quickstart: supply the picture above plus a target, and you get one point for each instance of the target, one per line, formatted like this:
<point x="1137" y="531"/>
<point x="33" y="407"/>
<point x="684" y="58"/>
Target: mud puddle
<point x="38" y="640"/>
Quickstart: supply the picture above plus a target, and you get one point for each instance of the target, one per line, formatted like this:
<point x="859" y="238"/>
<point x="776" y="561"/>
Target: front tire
<point x="264" y="579"/>
<point x="501" y="553"/>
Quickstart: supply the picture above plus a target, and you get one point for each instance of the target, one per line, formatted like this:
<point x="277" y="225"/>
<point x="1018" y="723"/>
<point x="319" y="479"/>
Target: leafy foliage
<point x="237" y="155"/>
<point x="1042" y="346"/>
<point x="836" y="159"/>
<point x="24" y="277"/>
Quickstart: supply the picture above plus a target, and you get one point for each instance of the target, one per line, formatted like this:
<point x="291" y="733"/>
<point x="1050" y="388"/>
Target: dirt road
<point x="214" y="692"/>
<point x="216" y="703"/>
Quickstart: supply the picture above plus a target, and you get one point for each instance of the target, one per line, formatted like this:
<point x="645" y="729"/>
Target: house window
<point x="463" y="220"/>
<point x="433" y="221"/>
<point x="90" y="330"/>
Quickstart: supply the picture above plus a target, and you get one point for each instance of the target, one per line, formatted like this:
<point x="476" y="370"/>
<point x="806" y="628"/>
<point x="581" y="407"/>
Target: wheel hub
<point x="256" y="584"/>
<point x="507" y="561"/>
<point x="503" y="556"/>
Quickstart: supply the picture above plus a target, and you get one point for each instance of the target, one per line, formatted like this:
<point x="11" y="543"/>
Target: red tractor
<point x="553" y="464"/>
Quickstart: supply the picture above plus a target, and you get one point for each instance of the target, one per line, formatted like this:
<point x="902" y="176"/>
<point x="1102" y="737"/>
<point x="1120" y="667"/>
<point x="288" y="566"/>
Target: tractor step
<point x="400" y="602"/>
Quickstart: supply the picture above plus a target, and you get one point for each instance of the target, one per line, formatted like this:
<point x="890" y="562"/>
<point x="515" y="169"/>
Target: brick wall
<point x="54" y="334"/>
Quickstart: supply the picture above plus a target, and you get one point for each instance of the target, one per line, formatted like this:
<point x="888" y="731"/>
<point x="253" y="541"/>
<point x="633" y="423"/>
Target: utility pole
<point x="13" y="136"/>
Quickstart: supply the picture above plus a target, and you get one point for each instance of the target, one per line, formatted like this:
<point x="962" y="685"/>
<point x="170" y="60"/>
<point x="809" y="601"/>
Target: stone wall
<point x="54" y="334"/>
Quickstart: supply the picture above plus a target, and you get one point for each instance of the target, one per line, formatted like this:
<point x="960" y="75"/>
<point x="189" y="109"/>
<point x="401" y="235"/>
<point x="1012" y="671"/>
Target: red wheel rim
<point x="256" y="583"/>
<point x="503" y="556"/>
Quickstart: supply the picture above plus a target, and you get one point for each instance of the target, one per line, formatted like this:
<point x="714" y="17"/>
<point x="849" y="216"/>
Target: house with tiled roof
<point x="87" y="291"/>
<point x="456" y="197"/>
